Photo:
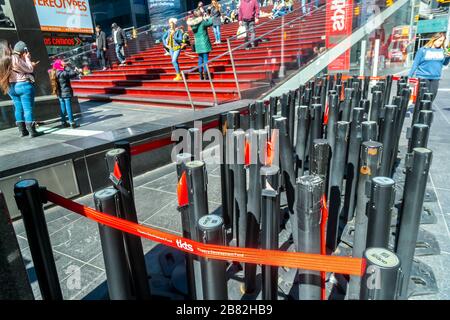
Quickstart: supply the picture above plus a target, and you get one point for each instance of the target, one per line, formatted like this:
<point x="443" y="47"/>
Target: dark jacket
<point x="100" y="40"/>
<point x="121" y="37"/>
<point x="216" y="16"/>
<point x="64" y="87"/>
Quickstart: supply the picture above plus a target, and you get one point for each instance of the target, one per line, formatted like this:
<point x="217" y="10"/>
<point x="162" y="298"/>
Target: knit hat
<point x="173" y="20"/>
<point x="20" y="47"/>
<point x="58" y="65"/>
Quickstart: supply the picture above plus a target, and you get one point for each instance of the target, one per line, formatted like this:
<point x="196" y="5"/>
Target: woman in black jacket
<point x="63" y="89"/>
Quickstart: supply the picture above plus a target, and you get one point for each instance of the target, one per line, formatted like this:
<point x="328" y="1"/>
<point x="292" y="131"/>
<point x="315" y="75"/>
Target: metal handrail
<point x="229" y="52"/>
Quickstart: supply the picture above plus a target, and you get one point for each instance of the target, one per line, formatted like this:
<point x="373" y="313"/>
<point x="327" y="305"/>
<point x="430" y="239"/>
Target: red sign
<point x="62" y="41"/>
<point x="339" y="18"/>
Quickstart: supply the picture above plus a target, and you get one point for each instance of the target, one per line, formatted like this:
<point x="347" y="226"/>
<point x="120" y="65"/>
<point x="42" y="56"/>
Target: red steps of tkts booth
<point x="148" y="77"/>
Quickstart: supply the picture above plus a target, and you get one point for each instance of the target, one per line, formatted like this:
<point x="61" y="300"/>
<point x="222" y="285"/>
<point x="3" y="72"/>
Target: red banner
<point x="339" y="22"/>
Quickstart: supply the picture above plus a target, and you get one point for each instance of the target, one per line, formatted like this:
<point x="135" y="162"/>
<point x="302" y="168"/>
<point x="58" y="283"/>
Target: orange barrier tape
<point x="297" y="260"/>
<point x="323" y="240"/>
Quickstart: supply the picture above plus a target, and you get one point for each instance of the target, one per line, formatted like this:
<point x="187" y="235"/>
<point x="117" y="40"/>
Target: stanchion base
<point x="428" y="216"/>
<point x="426" y="244"/>
<point x="422" y="280"/>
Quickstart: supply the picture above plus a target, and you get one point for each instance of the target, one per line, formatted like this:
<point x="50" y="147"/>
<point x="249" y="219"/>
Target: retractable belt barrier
<point x="316" y="262"/>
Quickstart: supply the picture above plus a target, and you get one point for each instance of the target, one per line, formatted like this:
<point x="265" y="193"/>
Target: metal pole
<point x="411" y="210"/>
<point x="270" y="226"/>
<point x="388" y="89"/>
<point x="316" y="125"/>
<point x="240" y="187"/>
<point x="362" y="59"/>
<point x="187" y="90"/>
<point x="291" y="115"/>
<point x="29" y="198"/>
<point x="379" y="212"/>
<point x="333" y="114"/>
<point x="365" y="104"/>
<point x="196" y="179"/>
<point x="14" y="281"/>
<point x="338" y="161"/>
<point x="369" y="131"/>
<point x="382" y="277"/>
<point x="386" y="137"/>
<point x="425" y="117"/>
<point x="419" y="137"/>
<point x="211" y="84"/>
<point x="348" y="101"/>
<point x="182" y="159"/>
<point x="423" y="105"/>
<point x="320" y="160"/>
<point x="195" y="143"/>
<point x="260" y="115"/>
<point x="377" y="99"/>
<point x="211" y="231"/>
<point x="352" y="163"/>
<point x="287" y="169"/>
<point x="257" y="140"/>
<point x="302" y="135"/>
<point x="369" y="166"/>
<point x="234" y="69"/>
<point x="309" y="212"/>
<point x="252" y="116"/>
<point x="114" y="254"/>
<point x="119" y="158"/>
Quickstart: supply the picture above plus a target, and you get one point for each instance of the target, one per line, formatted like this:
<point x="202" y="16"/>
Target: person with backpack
<point x="173" y="41"/>
<point x="199" y="26"/>
<point x="60" y="77"/>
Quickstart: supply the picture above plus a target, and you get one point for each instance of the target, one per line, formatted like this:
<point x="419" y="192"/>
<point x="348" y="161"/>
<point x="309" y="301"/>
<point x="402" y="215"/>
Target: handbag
<point x="241" y="32"/>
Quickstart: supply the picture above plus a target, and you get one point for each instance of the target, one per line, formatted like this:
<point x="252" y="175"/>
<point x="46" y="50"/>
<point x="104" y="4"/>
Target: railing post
<point x="234" y="68"/>
<point x="29" y="198"/>
<point x="211" y="83"/>
<point x="187" y="90"/>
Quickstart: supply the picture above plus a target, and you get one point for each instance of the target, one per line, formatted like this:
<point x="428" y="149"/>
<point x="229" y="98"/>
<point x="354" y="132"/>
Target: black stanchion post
<point x="302" y="135"/>
<point x="366" y="87"/>
<point x="386" y="137"/>
<point x="425" y="117"/>
<point x="195" y="143"/>
<point x="379" y="212"/>
<point x="347" y="105"/>
<point x="333" y="114"/>
<point x="316" y="125"/>
<point x="369" y="166"/>
<point x="211" y="231"/>
<point x="291" y="115"/>
<point x="365" y="104"/>
<point x="119" y="165"/>
<point x="196" y="180"/>
<point x="253" y="121"/>
<point x="369" y="131"/>
<point x="270" y="226"/>
<point x="382" y="277"/>
<point x="14" y="281"/>
<point x="182" y="159"/>
<point x="29" y="198"/>
<point x="227" y="211"/>
<point x="257" y="141"/>
<point x="240" y="187"/>
<point x="377" y="100"/>
<point x="338" y="161"/>
<point x="260" y="115"/>
<point x="354" y="149"/>
<point x="117" y="269"/>
<point x="411" y="211"/>
<point x="388" y="89"/>
<point x="287" y="169"/>
<point x="419" y="137"/>
<point x="309" y="212"/>
<point x="320" y="160"/>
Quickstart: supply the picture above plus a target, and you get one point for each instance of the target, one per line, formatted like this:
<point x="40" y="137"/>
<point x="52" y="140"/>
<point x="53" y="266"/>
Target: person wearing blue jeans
<point x="216" y="17"/>
<point x="120" y="41"/>
<point x="22" y="95"/>
<point x="203" y="63"/>
<point x="173" y="40"/>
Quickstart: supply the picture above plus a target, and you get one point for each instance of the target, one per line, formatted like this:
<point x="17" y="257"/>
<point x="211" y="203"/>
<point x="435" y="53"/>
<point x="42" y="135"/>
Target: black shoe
<point x="201" y="76"/>
<point x="65" y="125"/>
<point x="74" y="125"/>
<point x="31" y="127"/>
<point x="205" y="76"/>
<point x="22" y="129"/>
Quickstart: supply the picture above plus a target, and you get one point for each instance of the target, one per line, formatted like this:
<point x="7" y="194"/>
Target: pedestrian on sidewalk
<point x="216" y="15"/>
<point x="248" y="17"/>
<point x="17" y="79"/>
<point x="60" y="77"/>
<point x="429" y="61"/>
<point x="203" y="47"/>
<point x="102" y="46"/>
<point x="173" y="41"/>
<point x="120" y="41"/>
